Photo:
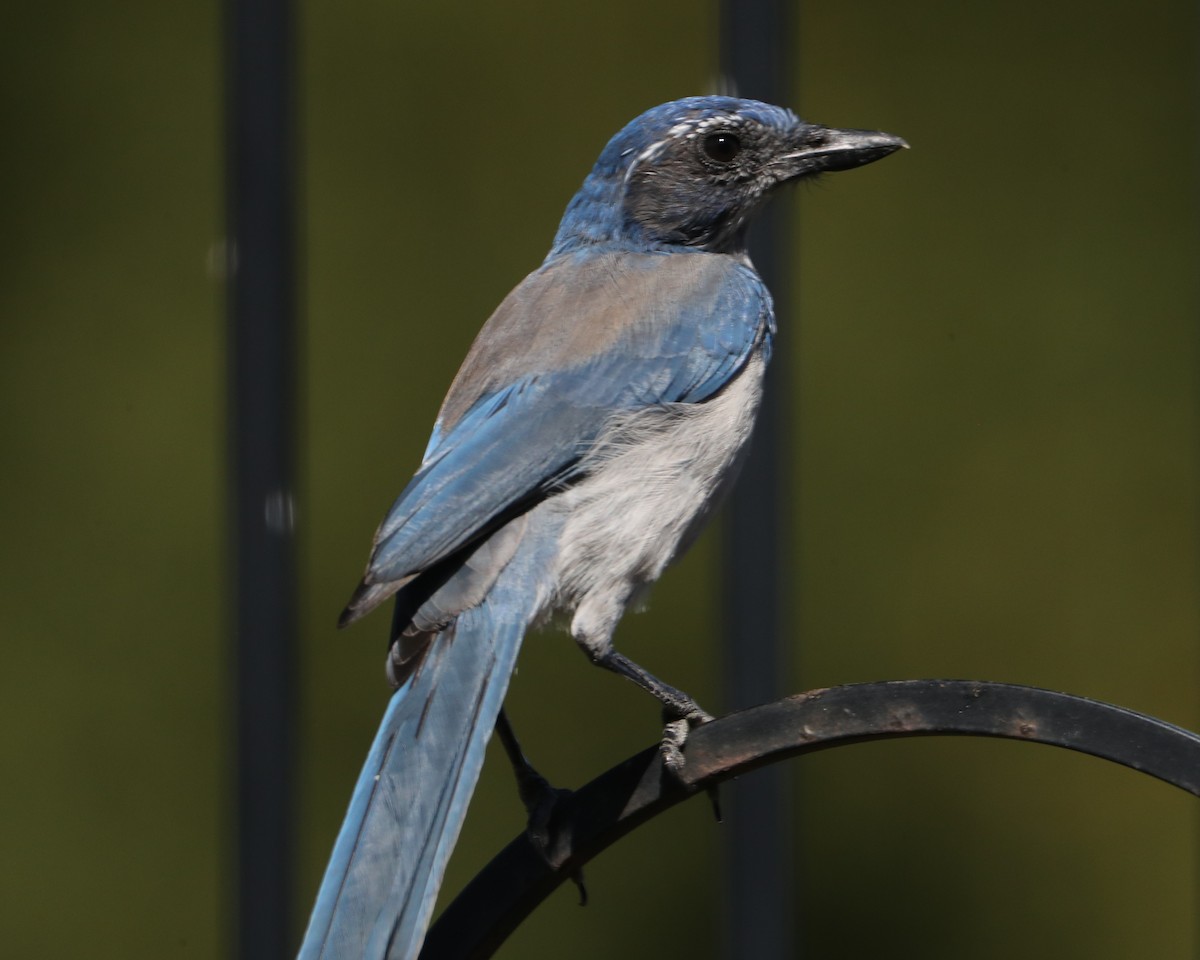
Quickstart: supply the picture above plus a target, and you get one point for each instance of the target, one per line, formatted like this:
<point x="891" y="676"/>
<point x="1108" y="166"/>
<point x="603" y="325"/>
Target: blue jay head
<point x="693" y="172"/>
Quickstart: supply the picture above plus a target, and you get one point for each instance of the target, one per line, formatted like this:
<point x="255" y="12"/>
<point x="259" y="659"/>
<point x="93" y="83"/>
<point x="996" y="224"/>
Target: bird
<point x="599" y="417"/>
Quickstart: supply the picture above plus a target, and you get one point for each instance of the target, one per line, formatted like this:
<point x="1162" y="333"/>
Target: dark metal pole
<point x="261" y="349"/>
<point x="762" y="905"/>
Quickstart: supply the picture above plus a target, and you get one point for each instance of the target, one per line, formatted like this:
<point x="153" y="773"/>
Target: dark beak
<point x="823" y="149"/>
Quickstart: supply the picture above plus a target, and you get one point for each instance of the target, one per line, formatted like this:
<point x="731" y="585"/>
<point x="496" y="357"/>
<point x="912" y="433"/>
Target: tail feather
<point x="367" y="596"/>
<point x="411" y="797"/>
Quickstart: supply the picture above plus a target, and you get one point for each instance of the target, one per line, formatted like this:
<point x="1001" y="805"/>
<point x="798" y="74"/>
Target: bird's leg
<point x="680" y="712"/>
<point x="535" y="791"/>
<point x="539" y="796"/>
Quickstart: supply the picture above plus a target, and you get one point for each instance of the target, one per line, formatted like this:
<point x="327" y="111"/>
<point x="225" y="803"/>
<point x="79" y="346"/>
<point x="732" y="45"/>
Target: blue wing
<point x="582" y="338"/>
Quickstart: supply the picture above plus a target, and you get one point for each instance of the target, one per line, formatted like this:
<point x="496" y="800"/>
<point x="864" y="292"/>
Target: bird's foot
<point x="541" y="799"/>
<point x="678" y="720"/>
<point x="542" y="802"/>
<point x="675" y="734"/>
<point x="680" y="712"/>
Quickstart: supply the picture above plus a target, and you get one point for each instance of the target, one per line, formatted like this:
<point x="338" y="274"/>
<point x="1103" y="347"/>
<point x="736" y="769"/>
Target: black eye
<point x="722" y="147"/>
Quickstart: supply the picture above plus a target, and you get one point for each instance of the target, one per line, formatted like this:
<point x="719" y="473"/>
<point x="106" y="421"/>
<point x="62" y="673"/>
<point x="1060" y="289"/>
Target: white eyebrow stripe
<point x="649" y="153"/>
<point x="685" y="128"/>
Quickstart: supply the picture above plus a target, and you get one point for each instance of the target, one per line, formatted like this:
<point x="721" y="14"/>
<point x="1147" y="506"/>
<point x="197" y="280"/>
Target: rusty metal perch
<point x="508" y="889"/>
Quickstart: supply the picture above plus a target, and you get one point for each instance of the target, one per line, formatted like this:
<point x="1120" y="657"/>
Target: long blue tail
<point x="411" y="797"/>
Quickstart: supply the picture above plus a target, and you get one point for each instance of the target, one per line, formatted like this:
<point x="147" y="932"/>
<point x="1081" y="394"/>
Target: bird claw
<point x="674" y="736"/>
<point x="542" y="801"/>
<point x="678" y="721"/>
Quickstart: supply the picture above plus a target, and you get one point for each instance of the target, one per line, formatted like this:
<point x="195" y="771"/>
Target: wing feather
<point x="582" y="338"/>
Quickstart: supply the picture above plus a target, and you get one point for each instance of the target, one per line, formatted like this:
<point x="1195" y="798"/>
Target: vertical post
<point x="261" y="350"/>
<point x="762" y="904"/>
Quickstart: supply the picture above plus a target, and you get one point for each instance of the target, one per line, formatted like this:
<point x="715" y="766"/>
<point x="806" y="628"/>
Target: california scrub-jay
<point x="598" y="418"/>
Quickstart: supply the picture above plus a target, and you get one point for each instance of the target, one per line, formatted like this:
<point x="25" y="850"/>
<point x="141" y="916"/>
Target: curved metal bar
<point x="507" y="890"/>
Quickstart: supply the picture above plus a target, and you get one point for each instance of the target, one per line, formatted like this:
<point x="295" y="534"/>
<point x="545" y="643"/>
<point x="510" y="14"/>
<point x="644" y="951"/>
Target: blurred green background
<point x="994" y="348"/>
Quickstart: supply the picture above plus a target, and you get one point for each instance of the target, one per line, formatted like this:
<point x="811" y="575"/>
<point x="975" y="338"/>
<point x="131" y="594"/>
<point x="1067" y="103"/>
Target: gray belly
<point x="653" y="479"/>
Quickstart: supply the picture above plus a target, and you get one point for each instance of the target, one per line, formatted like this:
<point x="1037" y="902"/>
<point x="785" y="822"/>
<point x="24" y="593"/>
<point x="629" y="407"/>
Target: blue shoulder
<point x="583" y="337"/>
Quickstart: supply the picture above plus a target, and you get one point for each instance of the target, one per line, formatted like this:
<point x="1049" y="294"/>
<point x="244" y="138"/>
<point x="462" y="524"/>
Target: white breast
<point x="653" y="478"/>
